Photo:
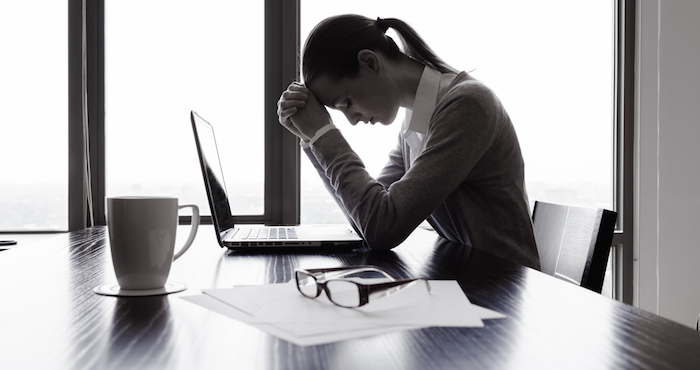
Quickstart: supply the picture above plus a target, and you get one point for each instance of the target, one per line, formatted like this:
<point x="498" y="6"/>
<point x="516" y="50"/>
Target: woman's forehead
<point x="328" y="91"/>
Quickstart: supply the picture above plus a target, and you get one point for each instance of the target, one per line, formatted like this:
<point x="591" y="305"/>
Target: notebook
<point x="248" y="236"/>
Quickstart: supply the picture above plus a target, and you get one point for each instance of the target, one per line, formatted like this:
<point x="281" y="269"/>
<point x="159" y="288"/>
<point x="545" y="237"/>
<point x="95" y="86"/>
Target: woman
<point x="457" y="162"/>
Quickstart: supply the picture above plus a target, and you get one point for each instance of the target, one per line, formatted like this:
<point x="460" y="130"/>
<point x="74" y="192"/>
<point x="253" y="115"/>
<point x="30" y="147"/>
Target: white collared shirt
<point x="415" y="125"/>
<point x="417" y="120"/>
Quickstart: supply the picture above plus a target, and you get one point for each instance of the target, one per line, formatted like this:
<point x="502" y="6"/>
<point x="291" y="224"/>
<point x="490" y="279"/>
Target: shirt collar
<point x="418" y="119"/>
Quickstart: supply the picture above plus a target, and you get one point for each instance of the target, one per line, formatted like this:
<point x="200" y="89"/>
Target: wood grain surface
<point x="51" y="319"/>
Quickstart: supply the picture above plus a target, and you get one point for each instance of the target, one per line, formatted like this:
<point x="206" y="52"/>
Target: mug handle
<point x="193" y="230"/>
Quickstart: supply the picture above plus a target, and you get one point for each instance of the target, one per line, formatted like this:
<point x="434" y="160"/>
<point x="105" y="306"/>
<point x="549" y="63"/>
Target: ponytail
<point x="414" y="46"/>
<point x="333" y="45"/>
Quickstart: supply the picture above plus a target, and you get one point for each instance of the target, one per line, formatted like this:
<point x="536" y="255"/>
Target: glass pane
<point x="34" y="106"/>
<point x="549" y="61"/>
<point x="608" y="280"/>
<point x="344" y="293"/>
<point x="165" y="58"/>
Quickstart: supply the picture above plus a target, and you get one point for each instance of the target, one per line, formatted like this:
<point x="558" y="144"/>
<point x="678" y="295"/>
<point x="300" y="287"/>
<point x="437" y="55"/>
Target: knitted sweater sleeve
<point x="391" y="172"/>
<point x="461" y="130"/>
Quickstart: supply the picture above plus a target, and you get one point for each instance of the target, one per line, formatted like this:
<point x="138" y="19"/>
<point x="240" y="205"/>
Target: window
<point x="227" y="59"/>
<point x="562" y="70"/>
<point x="551" y="63"/>
<point x="166" y="59"/>
<point x="33" y="101"/>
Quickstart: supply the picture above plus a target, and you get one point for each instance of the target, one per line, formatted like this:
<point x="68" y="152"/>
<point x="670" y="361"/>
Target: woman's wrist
<point x="320" y="132"/>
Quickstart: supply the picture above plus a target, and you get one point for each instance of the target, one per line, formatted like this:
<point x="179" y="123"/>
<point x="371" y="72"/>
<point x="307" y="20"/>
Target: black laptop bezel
<point x="206" y="175"/>
<point x="225" y="218"/>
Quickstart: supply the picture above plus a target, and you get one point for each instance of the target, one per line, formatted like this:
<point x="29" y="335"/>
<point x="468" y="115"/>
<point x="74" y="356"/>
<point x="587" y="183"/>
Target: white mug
<point x="142" y="239"/>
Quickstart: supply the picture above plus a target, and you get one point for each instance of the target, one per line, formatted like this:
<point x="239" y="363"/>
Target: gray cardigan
<point x="468" y="182"/>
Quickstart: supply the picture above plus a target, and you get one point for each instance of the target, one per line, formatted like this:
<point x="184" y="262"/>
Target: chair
<point x="574" y="242"/>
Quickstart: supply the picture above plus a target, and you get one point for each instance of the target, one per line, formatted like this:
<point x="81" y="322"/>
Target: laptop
<point x="250" y="236"/>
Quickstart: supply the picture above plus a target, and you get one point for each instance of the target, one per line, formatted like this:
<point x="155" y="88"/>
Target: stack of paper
<point x="280" y="310"/>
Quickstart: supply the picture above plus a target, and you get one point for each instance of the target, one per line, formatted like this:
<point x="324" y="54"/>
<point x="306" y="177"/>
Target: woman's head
<point x="333" y="45"/>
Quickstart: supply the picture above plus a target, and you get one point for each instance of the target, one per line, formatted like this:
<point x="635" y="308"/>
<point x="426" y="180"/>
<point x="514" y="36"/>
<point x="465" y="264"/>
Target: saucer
<point x="115" y="290"/>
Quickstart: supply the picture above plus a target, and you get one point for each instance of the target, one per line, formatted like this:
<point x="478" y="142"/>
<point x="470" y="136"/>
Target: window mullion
<point x="282" y="153"/>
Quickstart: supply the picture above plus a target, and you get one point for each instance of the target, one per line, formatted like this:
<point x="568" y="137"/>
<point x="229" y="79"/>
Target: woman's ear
<point x="369" y="60"/>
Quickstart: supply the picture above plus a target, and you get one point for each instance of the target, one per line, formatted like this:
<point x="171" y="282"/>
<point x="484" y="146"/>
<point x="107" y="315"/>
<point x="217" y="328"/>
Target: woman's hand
<point x="300" y="112"/>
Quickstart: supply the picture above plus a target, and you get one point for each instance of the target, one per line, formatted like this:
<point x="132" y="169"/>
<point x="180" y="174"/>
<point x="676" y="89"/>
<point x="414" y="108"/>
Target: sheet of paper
<point x="281" y="311"/>
<point x="487" y="314"/>
<point x="446" y="305"/>
<point x="237" y="304"/>
<point x="218" y="306"/>
<point x="235" y="298"/>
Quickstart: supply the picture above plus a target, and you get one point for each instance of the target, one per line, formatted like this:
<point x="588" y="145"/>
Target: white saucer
<point x="115" y="290"/>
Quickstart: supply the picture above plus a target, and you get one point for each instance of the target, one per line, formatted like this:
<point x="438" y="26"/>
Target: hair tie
<point x="381" y="24"/>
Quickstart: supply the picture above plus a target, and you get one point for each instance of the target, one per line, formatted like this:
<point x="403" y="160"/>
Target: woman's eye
<point x="348" y="104"/>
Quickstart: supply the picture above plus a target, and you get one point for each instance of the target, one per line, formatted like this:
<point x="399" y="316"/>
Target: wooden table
<point x="51" y="319"/>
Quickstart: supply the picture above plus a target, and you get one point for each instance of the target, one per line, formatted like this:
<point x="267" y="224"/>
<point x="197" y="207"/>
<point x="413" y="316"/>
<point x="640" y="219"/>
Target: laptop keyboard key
<point x="268" y="233"/>
<point x="254" y="234"/>
<point x="245" y="233"/>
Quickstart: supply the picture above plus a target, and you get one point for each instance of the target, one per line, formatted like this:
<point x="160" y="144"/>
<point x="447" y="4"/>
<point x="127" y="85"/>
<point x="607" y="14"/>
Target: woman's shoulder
<point x="468" y="99"/>
<point x="465" y="86"/>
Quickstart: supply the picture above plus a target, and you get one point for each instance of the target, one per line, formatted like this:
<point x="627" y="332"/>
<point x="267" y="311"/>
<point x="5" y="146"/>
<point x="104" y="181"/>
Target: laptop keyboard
<point x="268" y="233"/>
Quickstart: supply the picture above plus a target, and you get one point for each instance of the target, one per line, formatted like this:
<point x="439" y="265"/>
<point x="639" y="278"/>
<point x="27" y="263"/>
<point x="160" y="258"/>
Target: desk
<point x="50" y="318"/>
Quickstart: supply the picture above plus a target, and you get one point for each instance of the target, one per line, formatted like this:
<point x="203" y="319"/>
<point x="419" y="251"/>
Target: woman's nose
<point x="353" y="118"/>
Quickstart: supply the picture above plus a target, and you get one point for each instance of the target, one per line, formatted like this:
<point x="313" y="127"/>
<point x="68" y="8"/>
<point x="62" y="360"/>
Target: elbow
<point x="383" y="242"/>
<point x="379" y="246"/>
<point x="383" y="228"/>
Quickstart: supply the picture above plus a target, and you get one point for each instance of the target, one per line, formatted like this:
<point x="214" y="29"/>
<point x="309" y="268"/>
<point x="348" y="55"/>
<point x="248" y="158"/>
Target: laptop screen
<point x="213" y="174"/>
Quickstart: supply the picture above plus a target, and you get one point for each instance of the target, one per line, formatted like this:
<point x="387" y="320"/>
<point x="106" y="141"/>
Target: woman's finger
<point x="295" y="86"/>
<point x="294" y="95"/>
<point x="285" y="114"/>
<point x="284" y="104"/>
<point x="286" y="109"/>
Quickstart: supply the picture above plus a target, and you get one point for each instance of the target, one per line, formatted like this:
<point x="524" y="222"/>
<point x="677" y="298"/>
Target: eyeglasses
<point x="348" y="293"/>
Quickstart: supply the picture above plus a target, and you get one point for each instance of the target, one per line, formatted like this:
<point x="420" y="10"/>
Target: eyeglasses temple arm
<point x="332" y="273"/>
<point x="376" y="291"/>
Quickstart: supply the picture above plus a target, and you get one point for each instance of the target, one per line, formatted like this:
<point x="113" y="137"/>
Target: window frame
<point x="86" y="73"/>
<point x="623" y="192"/>
<point x="87" y="188"/>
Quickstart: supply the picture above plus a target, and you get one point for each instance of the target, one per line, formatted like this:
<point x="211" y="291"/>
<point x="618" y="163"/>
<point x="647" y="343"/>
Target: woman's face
<point x="364" y="98"/>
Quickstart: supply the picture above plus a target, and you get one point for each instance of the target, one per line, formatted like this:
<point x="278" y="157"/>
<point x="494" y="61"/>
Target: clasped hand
<point x="300" y="112"/>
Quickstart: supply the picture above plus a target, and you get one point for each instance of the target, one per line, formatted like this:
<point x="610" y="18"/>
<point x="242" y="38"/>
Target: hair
<point x="333" y="45"/>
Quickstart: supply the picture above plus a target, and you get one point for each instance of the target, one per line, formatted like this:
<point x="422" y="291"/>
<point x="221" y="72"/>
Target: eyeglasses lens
<point x="344" y="293"/>
<point x="307" y="285"/>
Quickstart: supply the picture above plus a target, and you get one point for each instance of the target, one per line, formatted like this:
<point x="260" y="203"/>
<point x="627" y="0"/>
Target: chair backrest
<point x="574" y="242"/>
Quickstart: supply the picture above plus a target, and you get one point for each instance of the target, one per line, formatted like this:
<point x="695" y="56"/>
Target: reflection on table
<point x="50" y="317"/>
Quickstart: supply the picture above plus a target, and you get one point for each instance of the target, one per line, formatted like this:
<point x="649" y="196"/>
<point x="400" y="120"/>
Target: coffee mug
<point x="142" y="239"/>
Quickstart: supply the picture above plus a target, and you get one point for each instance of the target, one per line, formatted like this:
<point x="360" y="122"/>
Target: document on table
<point x="282" y="311"/>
